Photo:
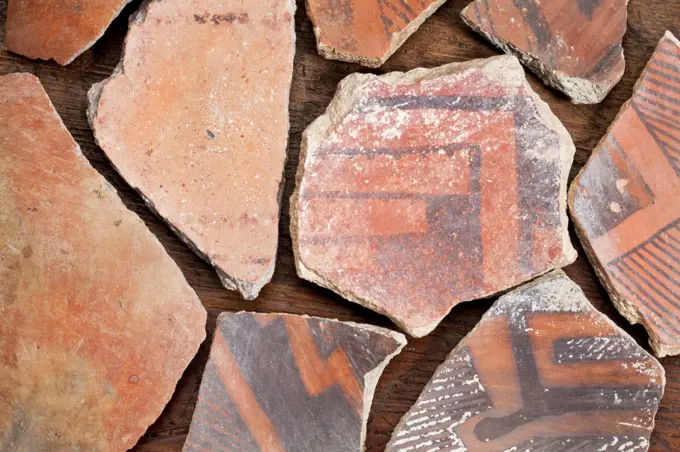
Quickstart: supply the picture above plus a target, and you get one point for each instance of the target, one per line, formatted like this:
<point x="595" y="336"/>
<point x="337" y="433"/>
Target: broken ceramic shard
<point x="277" y="382"/>
<point x="573" y="46"/>
<point x="626" y="203"/>
<point x="196" y="119"/>
<point x="368" y="31"/>
<point x="58" y="30"/>
<point x="98" y="323"/>
<point x="422" y="190"/>
<point x="543" y="371"/>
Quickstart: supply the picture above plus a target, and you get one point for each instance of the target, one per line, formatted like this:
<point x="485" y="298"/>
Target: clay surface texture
<point x="58" y="30"/>
<point x="543" y="371"/>
<point x="196" y="119"/>
<point x="97" y="322"/>
<point x="422" y="190"/>
<point x="574" y="46"/>
<point x="366" y="31"/>
<point x="279" y="382"/>
<point x="626" y="203"/>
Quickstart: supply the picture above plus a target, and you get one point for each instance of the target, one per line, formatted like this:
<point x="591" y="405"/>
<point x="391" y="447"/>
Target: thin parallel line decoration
<point x="649" y="303"/>
<point x="665" y="65"/>
<point x="657" y="95"/>
<point x="625" y="266"/>
<point x="658" y="282"/>
<point x="672" y="249"/>
<point x="673" y="225"/>
<point x="661" y="84"/>
<point x="664" y="256"/>
<point x="659" y="73"/>
<point x="646" y="97"/>
<point x="654" y="266"/>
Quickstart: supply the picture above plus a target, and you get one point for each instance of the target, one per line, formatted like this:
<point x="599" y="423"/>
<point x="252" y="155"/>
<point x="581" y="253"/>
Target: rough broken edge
<point x="83" y="49"/>
<point x="583" y="303"/>
<point x="248" y="290"/>
<point x="348" y="93"/>
<point x="371" y="378"/>
<point x="627" y="308"/>
<point x="579" y="90"/>
<point x="398" y="39"/>
<point x="152" y="238"/>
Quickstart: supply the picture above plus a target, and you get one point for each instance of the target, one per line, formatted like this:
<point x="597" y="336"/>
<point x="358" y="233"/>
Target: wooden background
<point x="442" y="39"/>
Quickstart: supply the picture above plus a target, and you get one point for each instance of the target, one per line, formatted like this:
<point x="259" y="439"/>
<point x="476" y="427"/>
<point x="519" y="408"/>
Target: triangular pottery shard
<point x="572" y="45"/>
<point x="196" y="119"/>
<point x="418" y="191"/>
<point x="97" y="323"/>
<point x="626" y="203"/>
<point x="58" y="30"/>
<point x="278" y="382"/>
<point x="366" y="31"/>
<point x="543" y="371"/>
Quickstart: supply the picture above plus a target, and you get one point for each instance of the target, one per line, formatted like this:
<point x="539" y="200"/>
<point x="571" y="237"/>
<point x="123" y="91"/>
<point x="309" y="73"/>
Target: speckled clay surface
<point x="418" y="191"/>
<point x="97" y="323"/>
<point x="196" y="119"/>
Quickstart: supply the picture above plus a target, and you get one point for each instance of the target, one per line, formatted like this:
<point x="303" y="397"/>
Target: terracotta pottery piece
<point x="196" y="119"/>
<point x="58" y="30"/>
<point x="543" y="371"/>
<point x="626" y="203"/>
<point x="97" y="323"/>
<point x="366" y="31"/>
<point x="278" y="382"/>
<point x="418" y="191"/>
<point x="573" y="46"/>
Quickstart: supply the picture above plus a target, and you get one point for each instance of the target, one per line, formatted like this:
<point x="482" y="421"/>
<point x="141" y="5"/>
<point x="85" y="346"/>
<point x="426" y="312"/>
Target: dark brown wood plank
<point x="442" y="39"/>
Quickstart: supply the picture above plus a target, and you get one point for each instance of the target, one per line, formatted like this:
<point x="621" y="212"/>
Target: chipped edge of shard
<point x="371" y="378"/>
<point x="579" y="90"/>
<point x="248" y="290"/>
<point x="348" y="94"/>
<point x="115" y="13"/>
<point x="398" y="39"/>
<point x="626" y="308"/>
<point x="115" y="197"/>
<point x="581" y="304"/>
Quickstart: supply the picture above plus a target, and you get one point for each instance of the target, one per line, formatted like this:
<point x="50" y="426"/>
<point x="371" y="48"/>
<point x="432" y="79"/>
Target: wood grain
<point x="442" y="39"/>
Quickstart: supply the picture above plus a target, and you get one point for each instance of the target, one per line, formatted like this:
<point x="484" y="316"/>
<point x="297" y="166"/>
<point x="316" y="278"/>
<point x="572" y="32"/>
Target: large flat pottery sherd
<point x="422" y="190"/>
<point x="196" y="119"/>
<point x="573" y="45"/>
<point x="97" y="323"/>
<point x="278" y="382"/>
<point x="58" y="30"/>
<point x="366" y="31"/>
<point x="543" y="371"/>
<point x="626" y="203"/>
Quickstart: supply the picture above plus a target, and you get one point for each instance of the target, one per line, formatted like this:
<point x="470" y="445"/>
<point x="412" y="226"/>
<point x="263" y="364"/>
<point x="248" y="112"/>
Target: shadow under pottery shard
<point x="626" y="203"/>
<point x="573" y="46"/>
<point x="366" y="31"/>
<point x="543" y="371"/>
<point x="196" y="119"/>
<point x="58" y="30"/>
<point x="418" y="191"/>
<point x="279" y="382"/>
<point x="97" y="323"/>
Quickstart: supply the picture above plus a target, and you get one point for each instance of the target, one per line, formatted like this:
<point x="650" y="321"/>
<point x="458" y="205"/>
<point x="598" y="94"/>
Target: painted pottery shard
<point x="278" y="382"/>
<point x="626" y="203"/>
<point x="97" y="323"/>
<point x="196" y="119"/>
<point x="543" y="371"/>
<point x="58" y="30"/>
<point x="574" y="46"/>
<point x="366" y="31"/>
<point x="422" y="190"/>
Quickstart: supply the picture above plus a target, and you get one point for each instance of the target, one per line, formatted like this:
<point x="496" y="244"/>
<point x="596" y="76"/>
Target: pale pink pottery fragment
<point x="196" y="119"/>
